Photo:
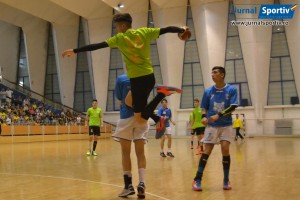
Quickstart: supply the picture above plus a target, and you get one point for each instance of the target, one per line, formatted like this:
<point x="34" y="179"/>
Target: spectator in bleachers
<point x="8" y="120"/>
<point x="37" y="122"/>
<point x="26" y="101"/>
<point x="8" y="109"/>
<point x="2" y="107"/>
<point x="22" y="120"/>
<point x="38" y="115"/>
<point x="78" y="120"/>
<point x="53" y="119"/>
<point x="31" y="111"/>
<point x="68" y="117"/>
<point x="27" y="119"/>
<point x="34" y="106"/>
<point x="3" y="115"/>
<point x="31" y="120"/>
<point x="19" y="101"/>
<point x="3" y="97"/>
<point x="21" y="112"/>
<point x="9" y="94"/>
<point x="47" y="121"/>
<point x="41" y="106"/>
<point x="16" y="119"/>
<point x="26" y="109"/>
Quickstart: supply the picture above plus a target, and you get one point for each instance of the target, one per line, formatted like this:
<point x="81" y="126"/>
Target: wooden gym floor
<point x="261" y="168"/>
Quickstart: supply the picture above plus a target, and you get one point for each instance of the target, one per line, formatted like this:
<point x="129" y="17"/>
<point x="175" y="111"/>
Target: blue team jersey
<point x="121" y="90"/>
<point x="166" y="113"/>
<point x="215" y="100"/>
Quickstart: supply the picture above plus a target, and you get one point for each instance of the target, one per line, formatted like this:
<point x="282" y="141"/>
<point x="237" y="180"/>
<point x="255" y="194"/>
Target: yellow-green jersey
<point x="197" y="117"/>
<point x="135" y="48"/>
<point x="95" y="116"/>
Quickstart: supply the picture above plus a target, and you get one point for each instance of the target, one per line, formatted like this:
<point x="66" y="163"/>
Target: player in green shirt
<point x="94" y="120"/>
<point x="197" y="126"/>
<point x="134" y="46"/>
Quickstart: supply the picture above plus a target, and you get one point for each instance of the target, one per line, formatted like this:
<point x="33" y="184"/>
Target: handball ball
<point x="185" y="35"/>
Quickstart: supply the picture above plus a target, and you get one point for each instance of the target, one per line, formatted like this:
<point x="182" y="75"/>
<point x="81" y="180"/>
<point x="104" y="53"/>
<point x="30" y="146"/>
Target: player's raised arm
<point x="90" y="47"/>
<point x="184" y="32"/>
<point x="172" y="29"/>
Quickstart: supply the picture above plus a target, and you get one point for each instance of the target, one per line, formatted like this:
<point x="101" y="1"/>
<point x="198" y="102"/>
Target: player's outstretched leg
<point x="162" y="92"/>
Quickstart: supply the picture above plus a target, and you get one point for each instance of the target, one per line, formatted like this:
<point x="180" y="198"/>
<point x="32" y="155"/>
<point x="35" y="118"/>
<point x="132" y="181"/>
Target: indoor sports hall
<point x="45" y="97"/>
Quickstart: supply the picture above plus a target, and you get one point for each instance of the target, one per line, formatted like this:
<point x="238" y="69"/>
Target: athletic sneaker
<point x="88" y="153"/>
<point x="167" y="90"/>
<point x="197" y="185"/>
<point x="170" y="154"/>
<point x="227" y="186"/>
<point x="141" y="190"/>
<point x="162" y="154"/>
<point x="94" y="153"/>
<point x="126" y="192"/>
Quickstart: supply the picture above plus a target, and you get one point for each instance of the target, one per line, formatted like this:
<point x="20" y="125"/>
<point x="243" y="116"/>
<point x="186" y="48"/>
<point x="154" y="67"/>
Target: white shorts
<point x="214" y="135"/>
<point x="168" y="131"/>
<point x="127" y="131"/>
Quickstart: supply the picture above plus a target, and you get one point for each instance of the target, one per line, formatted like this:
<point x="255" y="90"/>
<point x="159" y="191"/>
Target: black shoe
<point x="141" y="190"/>
<point x="162" y="154"/>
<point x="170" y="154"/>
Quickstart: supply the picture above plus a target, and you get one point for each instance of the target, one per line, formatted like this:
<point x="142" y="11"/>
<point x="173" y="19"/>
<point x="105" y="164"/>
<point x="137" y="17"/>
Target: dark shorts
<point x="198" y="131"/>
<point x="94" y="130"/>
<point x="140" y="90"/>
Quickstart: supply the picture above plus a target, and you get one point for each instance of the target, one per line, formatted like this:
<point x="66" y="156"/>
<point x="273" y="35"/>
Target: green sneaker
<point x="88" y="153"/>
<point x="94" y="153"/>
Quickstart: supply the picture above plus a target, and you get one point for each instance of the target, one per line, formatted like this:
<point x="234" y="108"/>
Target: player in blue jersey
<point x="166" y="113"/>
<point x="125" y="133"/>
<point x="218" y="102"/>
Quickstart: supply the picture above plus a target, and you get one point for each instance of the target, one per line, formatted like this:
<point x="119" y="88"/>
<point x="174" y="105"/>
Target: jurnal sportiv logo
<point x="261" y="14"/>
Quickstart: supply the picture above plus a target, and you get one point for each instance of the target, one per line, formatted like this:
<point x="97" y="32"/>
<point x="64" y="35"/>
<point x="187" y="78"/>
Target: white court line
<point x="75" y="179"/>
<point x="282" y="177"/>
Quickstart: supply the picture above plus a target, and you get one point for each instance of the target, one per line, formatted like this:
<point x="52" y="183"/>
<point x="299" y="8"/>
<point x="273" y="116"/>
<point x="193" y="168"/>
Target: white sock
<point x="169" y="150"/>
<point x="142" y="174"/>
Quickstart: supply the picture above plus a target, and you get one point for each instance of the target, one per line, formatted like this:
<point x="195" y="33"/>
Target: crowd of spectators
<point x="21" y="110"/>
